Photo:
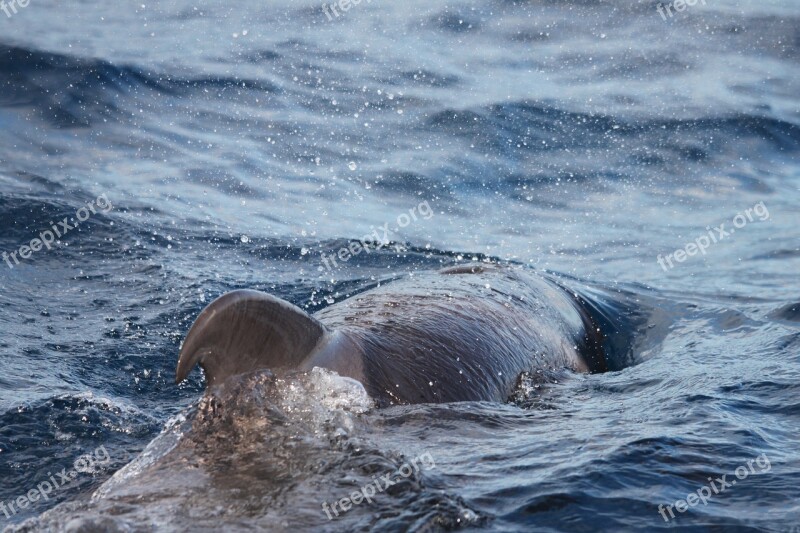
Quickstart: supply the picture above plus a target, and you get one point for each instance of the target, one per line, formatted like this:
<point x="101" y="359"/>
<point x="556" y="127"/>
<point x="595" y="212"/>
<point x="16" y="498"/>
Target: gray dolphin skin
<point x="464" y="333"/>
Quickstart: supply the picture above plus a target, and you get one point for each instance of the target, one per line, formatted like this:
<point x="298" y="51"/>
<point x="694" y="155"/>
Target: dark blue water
<point x="201" y="149"/>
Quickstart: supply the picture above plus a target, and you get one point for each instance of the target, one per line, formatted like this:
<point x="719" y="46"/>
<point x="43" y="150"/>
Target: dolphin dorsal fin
<point x="247" y="330"/>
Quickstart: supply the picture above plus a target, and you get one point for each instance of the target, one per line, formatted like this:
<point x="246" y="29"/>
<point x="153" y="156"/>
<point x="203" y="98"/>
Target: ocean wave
<point x="72" y="92"/>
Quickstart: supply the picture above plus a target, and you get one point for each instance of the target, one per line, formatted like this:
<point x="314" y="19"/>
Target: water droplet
<point x="352" y="165"/>
<point x="245" y="239"/>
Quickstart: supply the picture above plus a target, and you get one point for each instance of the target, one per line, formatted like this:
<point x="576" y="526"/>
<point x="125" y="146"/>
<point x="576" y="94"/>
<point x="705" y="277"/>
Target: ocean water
<point x="193" y="149"/>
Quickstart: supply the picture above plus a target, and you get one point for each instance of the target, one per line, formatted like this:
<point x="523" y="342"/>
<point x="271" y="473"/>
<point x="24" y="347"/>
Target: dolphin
<point x="463" y="333"/>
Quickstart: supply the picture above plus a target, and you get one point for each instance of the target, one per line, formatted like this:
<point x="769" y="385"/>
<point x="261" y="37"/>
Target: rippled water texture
<point x="196" y="149"/>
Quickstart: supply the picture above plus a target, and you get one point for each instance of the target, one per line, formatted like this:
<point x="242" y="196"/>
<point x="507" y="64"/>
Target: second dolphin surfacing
<point x="464" y="333"/>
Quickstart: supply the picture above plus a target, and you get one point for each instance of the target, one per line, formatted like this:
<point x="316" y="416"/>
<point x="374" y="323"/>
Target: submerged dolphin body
<point x="464" y="333"/>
